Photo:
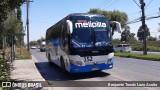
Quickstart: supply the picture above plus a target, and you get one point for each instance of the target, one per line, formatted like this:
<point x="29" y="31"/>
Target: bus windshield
<point x="90" y="31"/>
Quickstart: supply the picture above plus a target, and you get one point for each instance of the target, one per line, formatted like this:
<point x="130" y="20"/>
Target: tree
<point x="10" y="20"/>
<point x="140" y="33"/>
<point x="12" y="26"/>
<point x="115" y="42"/>
<point x="126" y="34"/>
<point x="40" y="40"/>
<point x="115" y="15"/>
<point x="7" y="6"/>
<point x="33" y="43"/>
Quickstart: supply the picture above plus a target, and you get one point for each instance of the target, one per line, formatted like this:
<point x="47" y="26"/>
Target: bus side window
<point x="65" y="38"/>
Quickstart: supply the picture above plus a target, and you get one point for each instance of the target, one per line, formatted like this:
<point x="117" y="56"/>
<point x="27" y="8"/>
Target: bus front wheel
<point x="63" y="66"/>
<point x="49" y="59"/>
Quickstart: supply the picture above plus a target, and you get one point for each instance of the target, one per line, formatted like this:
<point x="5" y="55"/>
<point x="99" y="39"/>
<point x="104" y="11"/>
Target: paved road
<point x="125" y="69"/>
<point x="141" y="52"/>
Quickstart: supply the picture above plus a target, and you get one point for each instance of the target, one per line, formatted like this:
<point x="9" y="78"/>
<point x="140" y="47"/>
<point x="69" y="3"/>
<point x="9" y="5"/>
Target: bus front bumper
<point x="90" y="68"/>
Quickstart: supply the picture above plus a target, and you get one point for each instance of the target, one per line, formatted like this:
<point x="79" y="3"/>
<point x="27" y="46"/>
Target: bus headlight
<point x="78" y="63"/>
<point x="109" y="61"/>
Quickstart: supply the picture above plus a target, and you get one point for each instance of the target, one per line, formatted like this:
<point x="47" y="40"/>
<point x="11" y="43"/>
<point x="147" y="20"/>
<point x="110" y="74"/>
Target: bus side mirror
<point x="116" y="26"/>
<point x="69" y="26"/>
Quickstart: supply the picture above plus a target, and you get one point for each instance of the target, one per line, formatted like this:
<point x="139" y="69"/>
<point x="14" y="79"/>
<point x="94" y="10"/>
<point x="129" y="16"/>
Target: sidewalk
<point x="25" y="70"/>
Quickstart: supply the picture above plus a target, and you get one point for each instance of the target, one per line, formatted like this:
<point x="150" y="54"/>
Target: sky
<point x="45" y="13"/>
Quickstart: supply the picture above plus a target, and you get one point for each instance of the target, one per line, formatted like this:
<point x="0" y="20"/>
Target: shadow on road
<point x="51" y="72"/>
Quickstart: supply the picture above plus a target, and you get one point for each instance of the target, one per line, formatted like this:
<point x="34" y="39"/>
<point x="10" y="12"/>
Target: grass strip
<point x="139" y="56"/>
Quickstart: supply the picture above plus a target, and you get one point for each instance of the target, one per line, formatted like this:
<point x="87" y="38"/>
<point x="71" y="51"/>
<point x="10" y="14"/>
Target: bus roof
<point x="86" y="14"/>
<point x="77" y="14"/>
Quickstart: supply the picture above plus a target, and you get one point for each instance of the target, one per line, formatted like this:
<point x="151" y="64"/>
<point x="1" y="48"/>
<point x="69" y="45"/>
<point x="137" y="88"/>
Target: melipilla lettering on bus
<point x="90" y="24"/>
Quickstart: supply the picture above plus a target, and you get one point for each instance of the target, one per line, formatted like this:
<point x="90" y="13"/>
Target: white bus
<point x="81" y="42"/>
<point x="42" y="46"/>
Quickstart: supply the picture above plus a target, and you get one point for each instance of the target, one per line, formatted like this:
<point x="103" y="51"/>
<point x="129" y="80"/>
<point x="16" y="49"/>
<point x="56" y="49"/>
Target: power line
<point x="110" y="4"/>
<point x="145" y="16"/>
<point x="103" y="3"/>
<point x="152" y="14"/>
<point x="136" y="12"/>
<point x="135" y="21"/>
<point x="136" y="3"/>
<point x="148" y="4"/>
<point x="140" y="11"/>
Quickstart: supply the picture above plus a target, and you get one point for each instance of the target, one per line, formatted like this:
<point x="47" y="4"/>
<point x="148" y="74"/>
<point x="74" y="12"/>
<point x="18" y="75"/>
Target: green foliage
<point x="127" y="35"/>
<point x="153" y="43"/>
<point x="115" y="15"/>
<point x="33" y="43"/>
<point x="7" y="6"/>
<point x="19" y="13"/>
<point x="11" y="26"/>
<point x="115" y="42"/>
<point x="150" y="38"/>
<point x="140" y="33"/>
<point x="159" y="29"/>
<point x="40" y="40"/>
<point x="15" y="3"/>
<point x="151" y="46"/>
<point x="3" y="10"/>
<point x="22" y="53"/>
<point x="4" y="71"/>
<point x="10" y="20"/>
<point x="139" y="56"/>
<point x="137" y="47"/>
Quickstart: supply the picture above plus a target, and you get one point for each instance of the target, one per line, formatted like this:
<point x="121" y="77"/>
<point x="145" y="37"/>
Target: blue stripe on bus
<point x="89" y="68"/>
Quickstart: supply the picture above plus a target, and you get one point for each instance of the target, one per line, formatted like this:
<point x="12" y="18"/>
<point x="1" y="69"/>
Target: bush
<point x="137" y="47"/>
<point x="4" y="71"/>
<point x="22" y="53"/>
<point x="153" y="48"/>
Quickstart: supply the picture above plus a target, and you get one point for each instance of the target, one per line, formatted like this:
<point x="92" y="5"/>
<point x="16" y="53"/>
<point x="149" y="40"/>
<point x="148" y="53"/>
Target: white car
<point x="33" y="47"/>
<point x="123" y="48"/>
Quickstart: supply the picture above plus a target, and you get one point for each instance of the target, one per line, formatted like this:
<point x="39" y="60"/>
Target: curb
<point x="34" y="60"/>
<point x="44" y="88"/>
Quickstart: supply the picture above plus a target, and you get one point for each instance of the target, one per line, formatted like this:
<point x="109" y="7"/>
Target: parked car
<point x="123" y="48"/>
<point x="33" y="47"/>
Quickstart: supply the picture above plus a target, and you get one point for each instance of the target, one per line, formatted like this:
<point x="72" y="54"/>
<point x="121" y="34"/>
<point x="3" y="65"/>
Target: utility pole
<point x="144" y="27"/>
<point x="27" y="22"/>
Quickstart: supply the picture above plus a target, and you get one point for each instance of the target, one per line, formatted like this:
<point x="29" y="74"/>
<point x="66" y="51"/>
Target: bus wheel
<point x="63" y="66"/>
